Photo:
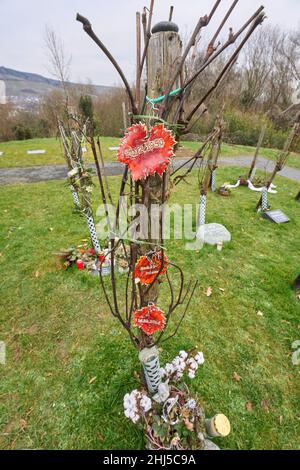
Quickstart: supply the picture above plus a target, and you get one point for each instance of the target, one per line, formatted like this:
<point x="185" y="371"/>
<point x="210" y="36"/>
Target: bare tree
<point x="270" y="62"/>
<point x="257" y="62"/>
<point x="59" y="60"/>
<point x="294" y="39"/>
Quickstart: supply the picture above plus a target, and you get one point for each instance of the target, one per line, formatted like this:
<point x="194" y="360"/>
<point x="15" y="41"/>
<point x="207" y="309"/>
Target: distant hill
<point x="26" y="89"/>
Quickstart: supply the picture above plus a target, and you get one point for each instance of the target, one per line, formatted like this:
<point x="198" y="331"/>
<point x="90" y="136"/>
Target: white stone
<point x="113" y="148"/>
<point x="32" y="152"/>
<point x="213" y="234"/>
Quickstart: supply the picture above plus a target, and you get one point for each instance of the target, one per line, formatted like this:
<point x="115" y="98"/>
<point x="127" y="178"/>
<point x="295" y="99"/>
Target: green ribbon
<point x="161" y="98"/>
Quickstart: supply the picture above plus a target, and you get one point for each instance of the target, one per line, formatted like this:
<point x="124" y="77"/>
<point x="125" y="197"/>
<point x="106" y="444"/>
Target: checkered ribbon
<point x="92" y="229"/>
<point x="202" y="209"/>
<point x="75" y="199"/>
<point x="213" y="180"/>
<point x="264" y="199"/>
<point x="152" y="373"/>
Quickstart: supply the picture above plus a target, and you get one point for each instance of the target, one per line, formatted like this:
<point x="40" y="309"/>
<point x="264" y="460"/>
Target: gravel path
<point x="36" y="174"/>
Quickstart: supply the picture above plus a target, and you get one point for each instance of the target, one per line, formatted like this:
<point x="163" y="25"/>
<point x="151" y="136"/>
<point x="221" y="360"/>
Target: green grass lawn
<point x="59" y="334"/>
<point x="15" y="152"/>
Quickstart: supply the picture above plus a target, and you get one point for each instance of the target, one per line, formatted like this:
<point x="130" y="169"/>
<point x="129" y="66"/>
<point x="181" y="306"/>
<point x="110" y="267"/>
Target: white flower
<point x="132" y="402"/>
<point x="192" y="363"/>
<point x="191" y="374"/>
<point x="135" y="419"/>
<point x="127" y="399"/>
<point x="199" y="357"/>
<point x="176" y="362"/>
<point x="183" y="354"/>
<point x="169" y="368"/>
<point x="162" y="372"/>
<point x="191" y="403"/>
<point x="178" y="376"/>
<point x="146" y="403"/>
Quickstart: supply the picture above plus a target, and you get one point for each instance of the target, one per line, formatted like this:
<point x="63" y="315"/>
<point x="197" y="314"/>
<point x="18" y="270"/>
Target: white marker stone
<point x="35" y="152"/>
<point x="213" y="234"/>
<point x="113" y="148"/>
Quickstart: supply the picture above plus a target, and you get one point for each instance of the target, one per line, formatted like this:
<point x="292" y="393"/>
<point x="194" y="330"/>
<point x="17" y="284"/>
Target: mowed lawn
<point x="69" y="363"/>
<point x="15" y="152"/>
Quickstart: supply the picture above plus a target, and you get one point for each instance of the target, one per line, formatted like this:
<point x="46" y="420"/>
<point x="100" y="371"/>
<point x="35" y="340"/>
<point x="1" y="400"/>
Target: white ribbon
<point x="233" y="185"/>
<point x="253" y="188"/>
<point x="250" y="186"/>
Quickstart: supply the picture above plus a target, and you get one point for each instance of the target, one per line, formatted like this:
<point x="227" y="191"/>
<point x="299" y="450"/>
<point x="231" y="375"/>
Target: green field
<point x="59" y="334"/>
<point x="15" y="152"/>
<point x="16" y="156"/>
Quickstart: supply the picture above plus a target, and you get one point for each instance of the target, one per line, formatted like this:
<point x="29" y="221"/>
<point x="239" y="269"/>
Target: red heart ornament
<point x="148" y="268"/>
<point x="146" y="154"/>
<point x="149" y="319"/>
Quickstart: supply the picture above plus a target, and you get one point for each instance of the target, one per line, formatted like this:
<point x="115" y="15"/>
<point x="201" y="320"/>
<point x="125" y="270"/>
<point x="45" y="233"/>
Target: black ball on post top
<point x="165" y="26"/>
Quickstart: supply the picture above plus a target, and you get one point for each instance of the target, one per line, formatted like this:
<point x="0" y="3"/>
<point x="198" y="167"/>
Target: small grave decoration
<point x="173" y="418"/>
<point x="146" y="152"/>
<point x="85" y="257"/>
<point x="149" y="266"/>
<point x="265" y="185"/>
<point x="149" y="319"/>
<point x="71" y="255"/>
<point x="276" y="216"/>
<point x="223" y="191"/>
<point x="79" y="177"/>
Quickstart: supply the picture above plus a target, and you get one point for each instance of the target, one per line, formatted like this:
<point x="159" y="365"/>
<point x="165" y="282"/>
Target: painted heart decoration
<point x="148" y="268"/>
<point x="149" y="319"/>
<point x="146" y="153"/>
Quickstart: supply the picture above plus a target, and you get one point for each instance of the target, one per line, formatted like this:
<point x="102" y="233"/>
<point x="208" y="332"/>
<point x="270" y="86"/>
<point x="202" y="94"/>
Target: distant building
<point x="2" y="92"/>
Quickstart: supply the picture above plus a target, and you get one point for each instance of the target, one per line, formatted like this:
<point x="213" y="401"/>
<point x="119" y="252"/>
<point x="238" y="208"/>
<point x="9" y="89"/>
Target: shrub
<point x="22" y="132"/>
<point x="245" y="128"/>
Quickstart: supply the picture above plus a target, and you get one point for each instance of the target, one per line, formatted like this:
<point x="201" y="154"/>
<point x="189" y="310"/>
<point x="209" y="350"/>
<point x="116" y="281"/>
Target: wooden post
<point x="164" y="51"/>
<point x="138" y="61"/>
<point x="259" y="144"/>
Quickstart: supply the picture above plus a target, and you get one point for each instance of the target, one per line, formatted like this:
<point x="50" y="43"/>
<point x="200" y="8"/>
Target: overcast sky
<point x="22" y="25"/>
